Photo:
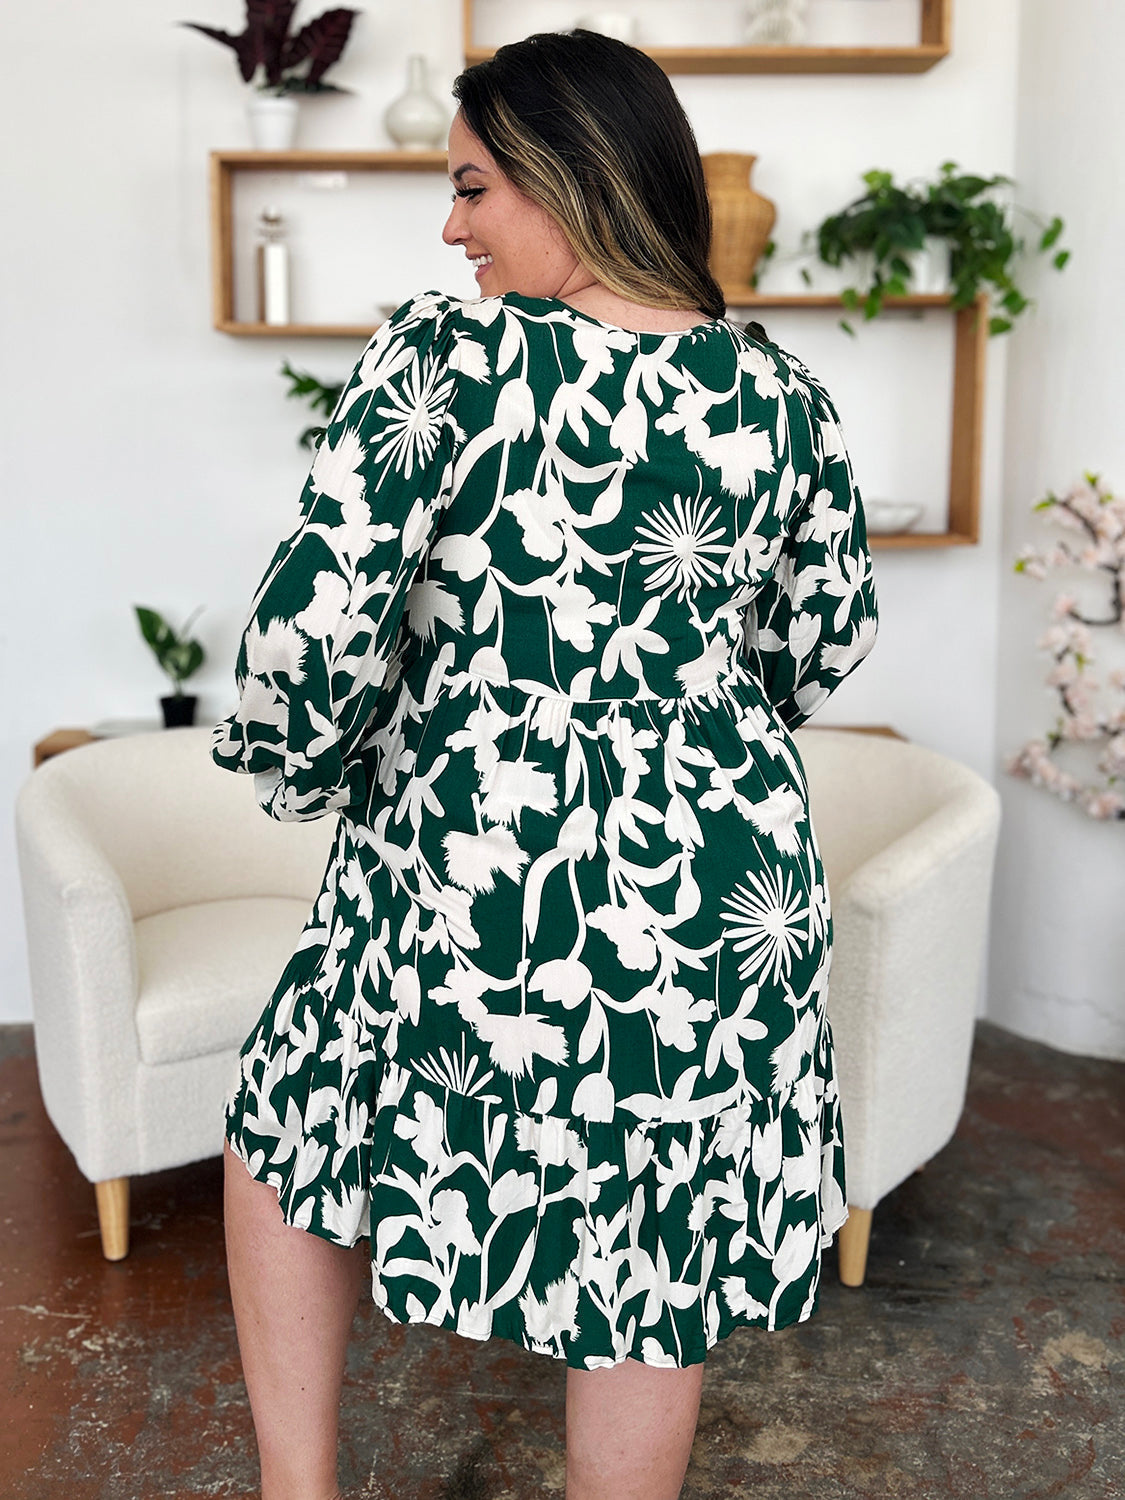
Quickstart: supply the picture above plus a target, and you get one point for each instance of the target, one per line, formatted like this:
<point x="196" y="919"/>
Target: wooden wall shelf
<point x="970" y="323"/>
<point x="224" y="165"/>
<point x="933" y="44"/>
<point x="970" y="342"/>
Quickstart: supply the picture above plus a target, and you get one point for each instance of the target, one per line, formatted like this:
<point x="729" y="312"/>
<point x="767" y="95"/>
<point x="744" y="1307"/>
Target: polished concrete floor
<point x="983" y="1360"/>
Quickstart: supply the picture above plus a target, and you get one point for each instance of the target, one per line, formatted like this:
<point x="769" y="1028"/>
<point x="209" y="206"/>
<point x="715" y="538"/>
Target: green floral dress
<point x="554" y="1035"/>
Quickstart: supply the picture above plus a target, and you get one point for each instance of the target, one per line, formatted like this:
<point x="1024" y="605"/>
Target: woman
<point x="572" y="560"/>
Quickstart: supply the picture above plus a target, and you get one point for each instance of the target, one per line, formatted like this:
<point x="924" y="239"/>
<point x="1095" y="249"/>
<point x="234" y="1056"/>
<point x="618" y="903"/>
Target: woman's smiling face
<point x="512" y="243"/>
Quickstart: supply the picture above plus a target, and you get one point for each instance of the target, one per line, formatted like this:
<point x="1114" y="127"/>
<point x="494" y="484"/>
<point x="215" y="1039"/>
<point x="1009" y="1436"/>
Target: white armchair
<point x="908" y="839"/>
<point x="161" y="907"/>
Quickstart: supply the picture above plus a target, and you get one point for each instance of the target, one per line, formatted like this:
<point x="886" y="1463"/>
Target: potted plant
<point x="178" y="656"/>
<point x="889" y="228"/>
<point x="280" y="65"/>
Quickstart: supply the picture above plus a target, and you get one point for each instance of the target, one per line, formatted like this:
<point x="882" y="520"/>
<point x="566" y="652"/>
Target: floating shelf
<point x="933" y="45"/>
<point x="970" y="342"/>
<point x="970" y="323"/>
<point x="224" y="165"/>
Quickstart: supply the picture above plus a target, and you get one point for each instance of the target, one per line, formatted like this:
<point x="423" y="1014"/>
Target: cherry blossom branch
<point x="1098" y="516"/>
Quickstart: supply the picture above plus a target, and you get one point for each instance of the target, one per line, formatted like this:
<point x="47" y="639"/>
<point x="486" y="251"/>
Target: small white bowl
<point x="886" y="516"/>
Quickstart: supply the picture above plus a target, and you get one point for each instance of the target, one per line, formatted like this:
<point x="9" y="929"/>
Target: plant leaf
<point x="268" y="22"/>
<point x="320" y="42"/>
<point x="153" y="628"/>
<point x="195" y="658"/>
<point x="1051" y="233"/>
<point x="244" y="46"/>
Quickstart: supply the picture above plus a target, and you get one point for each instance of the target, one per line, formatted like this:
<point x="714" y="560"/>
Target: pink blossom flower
<point x="1083" y="716"/>
<point x="1062" y="672"/>
<point x="1083" y="502"/>
<point x="1104" y="805"/>
<point x="1086" y="727"/>
<point x="1066" y="517"/>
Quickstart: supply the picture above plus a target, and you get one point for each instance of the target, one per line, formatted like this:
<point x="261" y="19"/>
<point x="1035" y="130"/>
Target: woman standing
<point x="573" y="559"/>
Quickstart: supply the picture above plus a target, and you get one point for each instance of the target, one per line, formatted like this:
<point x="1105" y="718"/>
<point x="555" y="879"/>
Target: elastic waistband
<point x="712" y="690"/>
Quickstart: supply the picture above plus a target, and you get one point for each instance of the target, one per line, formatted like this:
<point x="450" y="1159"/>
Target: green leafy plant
<point x="177" y="654"/>
<point x="322" y="398"/>
<point x="278" y="63"/>
<point x="889" y="222"/>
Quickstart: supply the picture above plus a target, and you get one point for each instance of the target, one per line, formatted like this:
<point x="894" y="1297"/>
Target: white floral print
<point x="555" y="1036"/>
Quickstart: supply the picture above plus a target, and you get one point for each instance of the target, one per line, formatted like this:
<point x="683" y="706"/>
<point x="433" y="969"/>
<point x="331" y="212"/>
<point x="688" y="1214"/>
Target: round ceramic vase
<point x="415" y="121"/>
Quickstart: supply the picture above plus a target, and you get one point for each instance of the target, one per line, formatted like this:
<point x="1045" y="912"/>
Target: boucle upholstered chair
<point x="908" y="839"/>
<point x="161" y="906"/>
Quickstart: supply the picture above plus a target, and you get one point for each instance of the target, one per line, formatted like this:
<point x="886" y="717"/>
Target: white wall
<point x="1058" y="970"/>
<point x="152" y="460"/>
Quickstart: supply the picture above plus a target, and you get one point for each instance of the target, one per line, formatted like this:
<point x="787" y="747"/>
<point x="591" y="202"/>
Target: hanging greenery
<point x="888" y="225"/>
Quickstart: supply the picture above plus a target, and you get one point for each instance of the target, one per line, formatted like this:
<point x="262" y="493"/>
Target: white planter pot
<point x="929" y="273"/>
<point x="273" y="121"/>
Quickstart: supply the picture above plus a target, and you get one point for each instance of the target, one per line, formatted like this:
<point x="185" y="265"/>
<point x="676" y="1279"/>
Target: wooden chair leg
<point x="851" y="1246"/>
<point x="113" y="1216"/>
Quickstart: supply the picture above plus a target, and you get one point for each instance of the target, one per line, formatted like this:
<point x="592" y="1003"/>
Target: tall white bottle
<point x="273" y="270"/>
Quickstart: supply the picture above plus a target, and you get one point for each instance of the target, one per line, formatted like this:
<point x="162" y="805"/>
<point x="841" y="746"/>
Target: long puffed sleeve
<point x="816" y="618"/>
<point x="323" y="622"/>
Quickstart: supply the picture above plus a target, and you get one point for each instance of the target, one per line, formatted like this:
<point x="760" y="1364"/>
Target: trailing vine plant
<point x="882" y="229"/>
<point x="1090" y="712"/>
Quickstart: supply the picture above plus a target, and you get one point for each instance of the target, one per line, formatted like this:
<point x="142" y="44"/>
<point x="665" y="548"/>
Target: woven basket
<point x="741" y="218"/>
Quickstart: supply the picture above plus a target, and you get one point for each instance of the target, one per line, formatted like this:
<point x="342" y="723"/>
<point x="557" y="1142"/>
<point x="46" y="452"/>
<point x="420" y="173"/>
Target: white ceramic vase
<point x="415" y="121"/>
<point x="774" y="23"/>
<point x="613" y="23"/>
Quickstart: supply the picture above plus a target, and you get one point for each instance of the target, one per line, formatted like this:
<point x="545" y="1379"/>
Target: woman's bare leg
<point x="629" y="1431"/>
<point x="294" y="1298"/>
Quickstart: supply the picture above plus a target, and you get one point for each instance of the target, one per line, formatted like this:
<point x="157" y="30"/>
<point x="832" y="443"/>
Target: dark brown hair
<point x="590" y="129"/>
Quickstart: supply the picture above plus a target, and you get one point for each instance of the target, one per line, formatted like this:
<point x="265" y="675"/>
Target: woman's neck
<point x="581" y="291"/>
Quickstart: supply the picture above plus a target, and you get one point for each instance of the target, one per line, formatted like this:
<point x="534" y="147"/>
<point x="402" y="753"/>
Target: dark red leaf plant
<point x="278" y="63"/>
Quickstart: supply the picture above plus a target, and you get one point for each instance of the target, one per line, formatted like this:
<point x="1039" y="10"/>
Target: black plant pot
<point x="179" y="709"/>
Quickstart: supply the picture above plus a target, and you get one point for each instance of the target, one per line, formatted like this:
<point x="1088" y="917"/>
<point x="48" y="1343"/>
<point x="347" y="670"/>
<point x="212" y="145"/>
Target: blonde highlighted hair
<point x="591" y="130"/>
